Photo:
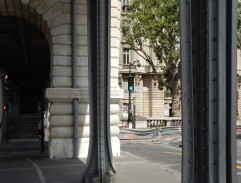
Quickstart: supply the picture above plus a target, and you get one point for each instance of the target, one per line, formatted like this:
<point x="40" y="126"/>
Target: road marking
<point x="131" y="162"/>
<point x="40" y="173"/>
<point x="161" y="165"/>
<point x="170" y="147"/>
<point x="174" y="153"/>
<point x="130" y="154"/>
<point x="238" y="166"/>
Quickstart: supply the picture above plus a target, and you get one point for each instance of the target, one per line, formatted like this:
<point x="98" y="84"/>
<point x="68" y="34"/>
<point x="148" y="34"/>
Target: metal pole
<point x="42" y="128"/>
<point x="208" y="58"/>
<point x="74" y="81"/>
<point x="231" y="70"/>
<point x="99" y="167"/>
<point x="129" y="102"/>
<point x="134" y="113"/>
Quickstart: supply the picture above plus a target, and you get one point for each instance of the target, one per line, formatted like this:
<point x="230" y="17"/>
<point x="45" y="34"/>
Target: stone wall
<point x="151" y="102"/>
<point x="53" y="18"/>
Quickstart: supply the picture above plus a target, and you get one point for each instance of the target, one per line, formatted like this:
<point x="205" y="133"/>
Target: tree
<point x="156" y="23"/>
<point x="239" y="26"/>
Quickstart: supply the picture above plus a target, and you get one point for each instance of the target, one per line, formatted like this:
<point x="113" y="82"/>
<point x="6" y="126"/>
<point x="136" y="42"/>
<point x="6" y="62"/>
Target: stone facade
<point x="53" y="18"/>
<point x="150" y="101"/>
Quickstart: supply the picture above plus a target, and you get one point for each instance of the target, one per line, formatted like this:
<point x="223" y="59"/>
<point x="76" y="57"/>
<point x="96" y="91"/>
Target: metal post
<point x="129" y="102"/>
<point x="130" y="112"/>
<point x="134" y="113"/>
<point x="2" y="74"/>
<point x="74" y="81"/>
<point x="231" y="70"/>
<point x="1" y="95"/>
<point x="99" y="167"/>
<point x="208" y="58"/>
<point x="129" y="109"/>
<point x="42" y="126"/>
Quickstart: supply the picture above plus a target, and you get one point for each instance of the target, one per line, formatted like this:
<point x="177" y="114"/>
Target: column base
<point x="63" y="147"/>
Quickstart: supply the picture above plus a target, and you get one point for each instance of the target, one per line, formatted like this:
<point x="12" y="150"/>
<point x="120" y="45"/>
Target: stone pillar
<point x="61" y="95"/>
<point x="61" y="121"/>
<point x="116" y="93"/>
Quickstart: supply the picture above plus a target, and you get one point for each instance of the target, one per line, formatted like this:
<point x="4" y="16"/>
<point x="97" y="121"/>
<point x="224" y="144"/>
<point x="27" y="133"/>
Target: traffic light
<point x="5" y="107"/>
<point x="131" y="83"/>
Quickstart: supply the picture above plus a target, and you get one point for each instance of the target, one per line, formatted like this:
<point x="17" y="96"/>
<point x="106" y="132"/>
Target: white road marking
<point x="40" y="173"/>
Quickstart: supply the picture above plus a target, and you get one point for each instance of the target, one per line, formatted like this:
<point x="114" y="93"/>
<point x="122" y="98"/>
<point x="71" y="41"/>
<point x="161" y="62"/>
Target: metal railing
<point x="160" y="122"/>
<point x="149" y="133"/>
<point x="134" y="134"/>
<point x="41" y="109"/>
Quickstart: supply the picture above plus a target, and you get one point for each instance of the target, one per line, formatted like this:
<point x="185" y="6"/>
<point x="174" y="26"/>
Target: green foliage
<point x="239" y="26"/>
<point x="156" y="23"/>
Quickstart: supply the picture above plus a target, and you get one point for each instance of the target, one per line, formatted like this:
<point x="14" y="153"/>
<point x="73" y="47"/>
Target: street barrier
<point x="135" y="134"/>
<point x="150" y="133"/>
<point x="153" y="122"/>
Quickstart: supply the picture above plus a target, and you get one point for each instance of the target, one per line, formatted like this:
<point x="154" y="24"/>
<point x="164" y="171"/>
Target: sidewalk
<point x="22" y="162"/>
<point x="133" y="169"/>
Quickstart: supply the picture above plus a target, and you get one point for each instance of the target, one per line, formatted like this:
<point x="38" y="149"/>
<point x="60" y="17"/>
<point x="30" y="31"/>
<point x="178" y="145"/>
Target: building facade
<point x="36" y="63"/>
<point x="33" y="28"/>
<point x="147" y="101"/>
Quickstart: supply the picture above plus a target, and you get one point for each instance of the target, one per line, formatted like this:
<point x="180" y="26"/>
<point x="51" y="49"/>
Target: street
<point x="165" y="152"/>
<point x="21" y="161"/>
<point x="142" y="161"/>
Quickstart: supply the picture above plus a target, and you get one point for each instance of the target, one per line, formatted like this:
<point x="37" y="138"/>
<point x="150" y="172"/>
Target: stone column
<point x="61" y="121"/>
<point x="61" y="95"/>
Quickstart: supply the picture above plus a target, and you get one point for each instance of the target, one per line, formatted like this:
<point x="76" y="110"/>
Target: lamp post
<point x="130" y="89"/>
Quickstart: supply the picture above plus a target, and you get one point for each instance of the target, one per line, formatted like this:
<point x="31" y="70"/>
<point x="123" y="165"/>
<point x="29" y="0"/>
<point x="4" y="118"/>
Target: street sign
<point x="141" y="89"/>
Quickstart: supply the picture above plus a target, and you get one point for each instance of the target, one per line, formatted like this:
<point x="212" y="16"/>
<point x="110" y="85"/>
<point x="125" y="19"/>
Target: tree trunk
<point x="176" y="105"/>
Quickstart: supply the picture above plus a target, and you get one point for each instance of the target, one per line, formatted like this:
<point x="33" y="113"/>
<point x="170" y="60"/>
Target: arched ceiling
<point x="24" y="51"/>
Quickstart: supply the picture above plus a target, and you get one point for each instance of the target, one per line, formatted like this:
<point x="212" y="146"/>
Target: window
<point x="125" y="108"/>
<point x="126" y="56"/>
<point x="126" y="2"/>
<point x="125" y="85"/>
<point x="127" y="25"/>
<point x="125" y="6"/>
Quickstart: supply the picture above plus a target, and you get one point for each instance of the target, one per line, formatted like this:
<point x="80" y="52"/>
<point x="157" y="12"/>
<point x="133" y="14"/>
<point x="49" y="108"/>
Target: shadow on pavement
<point x="22" y="161"/>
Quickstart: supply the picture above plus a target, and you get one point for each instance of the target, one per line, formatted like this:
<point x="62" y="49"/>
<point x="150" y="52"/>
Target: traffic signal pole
<point x="129" y="109"/>
<point x="131" y="87"/>
<point x="209" y="93"/>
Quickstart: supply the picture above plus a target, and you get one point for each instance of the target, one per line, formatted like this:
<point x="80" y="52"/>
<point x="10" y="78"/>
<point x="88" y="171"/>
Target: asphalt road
<point x="167" y="152"/>
<point x="164" y="153"/>
<point x="141" y="161"/>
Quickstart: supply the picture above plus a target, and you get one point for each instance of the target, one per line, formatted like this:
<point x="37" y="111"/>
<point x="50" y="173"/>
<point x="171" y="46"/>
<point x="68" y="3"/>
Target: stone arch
<point x="54" y="20"/>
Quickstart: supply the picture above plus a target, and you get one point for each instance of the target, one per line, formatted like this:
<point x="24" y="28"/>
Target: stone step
<point x="23" y="126"/>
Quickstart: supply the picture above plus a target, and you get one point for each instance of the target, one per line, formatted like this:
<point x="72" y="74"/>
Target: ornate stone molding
<point x="68" y="94"/>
